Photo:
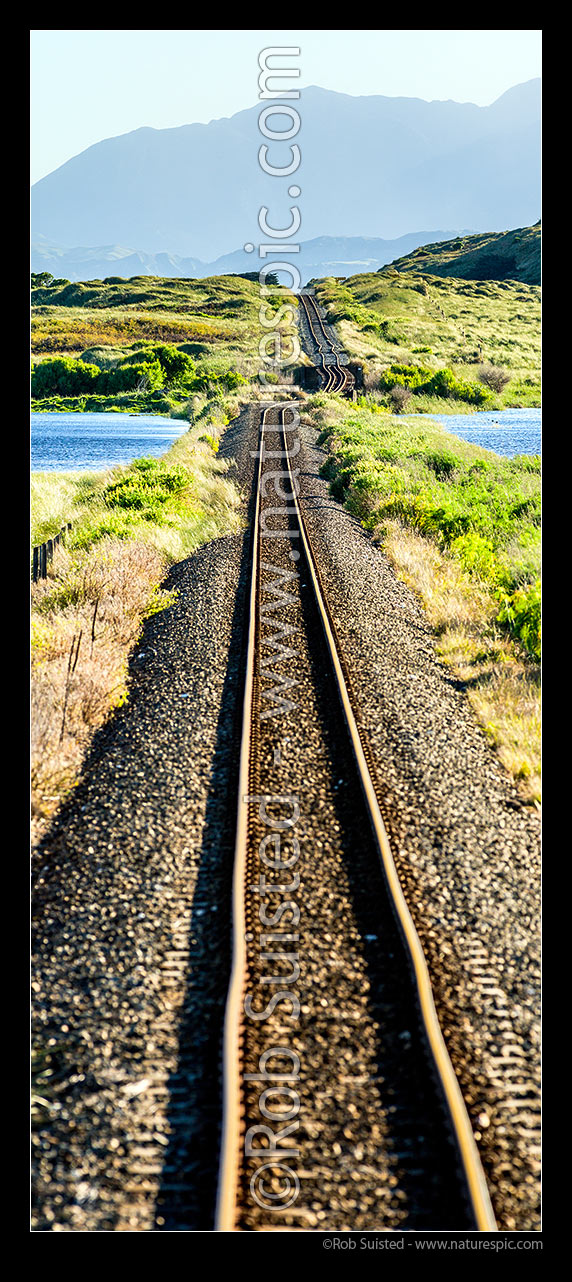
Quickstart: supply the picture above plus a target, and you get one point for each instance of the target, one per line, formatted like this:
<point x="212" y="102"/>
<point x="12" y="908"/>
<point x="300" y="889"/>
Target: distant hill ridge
<point x="510" y="255"/>
<point x="323" y="256"/>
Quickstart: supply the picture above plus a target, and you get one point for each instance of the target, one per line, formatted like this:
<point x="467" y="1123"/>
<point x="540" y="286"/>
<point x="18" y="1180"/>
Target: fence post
<point x="43" y="554"/>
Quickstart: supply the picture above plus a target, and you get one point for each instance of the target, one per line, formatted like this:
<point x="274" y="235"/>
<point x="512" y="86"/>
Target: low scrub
<point x="501" y="684"/>
<point x="441" y="382"/>
<point x="155" y="379"/>
<point x="391" y="316"/>
<point x="494" y="377"/>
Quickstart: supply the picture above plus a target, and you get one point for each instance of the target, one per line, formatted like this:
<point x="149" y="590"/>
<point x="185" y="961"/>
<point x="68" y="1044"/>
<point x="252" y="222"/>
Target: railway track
<point x="336" y="377"/>
<point x="341" y="1108"/>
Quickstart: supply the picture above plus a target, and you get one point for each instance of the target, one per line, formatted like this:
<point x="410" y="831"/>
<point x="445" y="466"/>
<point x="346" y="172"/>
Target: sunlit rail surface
<point x="336" y="377"/>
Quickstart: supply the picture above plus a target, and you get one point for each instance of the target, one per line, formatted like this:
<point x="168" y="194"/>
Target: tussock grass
<point x="129" y="524"/>
<point x="58" y="497"/>
<point x="95" y="602"/>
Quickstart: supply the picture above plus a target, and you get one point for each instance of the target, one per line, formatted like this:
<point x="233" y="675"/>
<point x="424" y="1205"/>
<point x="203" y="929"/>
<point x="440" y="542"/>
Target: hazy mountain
<point x="514" y="255"/>
<point x="324" y="256"/>
<point x="95" y="262"/>
<point x="371" y="167"/>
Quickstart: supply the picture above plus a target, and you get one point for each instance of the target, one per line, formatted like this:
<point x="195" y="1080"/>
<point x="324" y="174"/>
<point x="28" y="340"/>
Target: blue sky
<point x="89" y="85"/>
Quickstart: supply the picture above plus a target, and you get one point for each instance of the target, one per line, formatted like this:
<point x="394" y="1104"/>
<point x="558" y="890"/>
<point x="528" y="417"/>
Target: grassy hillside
<point x="509" y="255"/>
<point x="436" y="338"/>
<point x="115" y="324"/>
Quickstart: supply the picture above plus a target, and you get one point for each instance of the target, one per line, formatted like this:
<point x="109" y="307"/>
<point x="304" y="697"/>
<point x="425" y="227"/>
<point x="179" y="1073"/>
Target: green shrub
<point x="214" y="375"/>
<point x="145" y="487"/>
<point x="476" y="554"/>
<point x="177" y="365"/>
<point x="63" y="376"/>
<point x="440" y="382"/>
<point x="412" y="376"/>
<point x="444" y="383"/>
<point x="442" y="463"/>
<point x="521" y="612"/>
<point x="144" y="375"/>
<point x="41" y="280"/>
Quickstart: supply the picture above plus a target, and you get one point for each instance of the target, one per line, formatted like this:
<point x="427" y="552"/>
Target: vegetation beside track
<point x="462" y="526"/>
<point x="128" y="525"/>
<point x="439" y="344"/>
<point x="185" y="348"/>
<point x="147" y="345"/>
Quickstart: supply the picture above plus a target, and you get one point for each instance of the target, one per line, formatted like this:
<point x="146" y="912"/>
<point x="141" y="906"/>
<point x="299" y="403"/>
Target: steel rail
<point x="336" y="377"/>
<point x="231" y="1109"/>
<point x="345" y="377"/>
<point x="309" y="298"/>
<point x="471" y="1162"/>
<point x="326" y="369"/>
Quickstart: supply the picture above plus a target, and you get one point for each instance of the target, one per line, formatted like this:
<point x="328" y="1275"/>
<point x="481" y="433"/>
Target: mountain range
<point x="372" y="167"/>
<point x="323" y="256"/>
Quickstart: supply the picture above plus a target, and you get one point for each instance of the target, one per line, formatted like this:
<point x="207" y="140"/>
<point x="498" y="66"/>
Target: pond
<point x="74" y="442"/>
<point x="507" y="432"/>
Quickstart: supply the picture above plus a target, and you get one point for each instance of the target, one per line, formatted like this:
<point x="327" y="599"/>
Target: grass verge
<point x="461" y="526"/>
<point x="129" y="525"/>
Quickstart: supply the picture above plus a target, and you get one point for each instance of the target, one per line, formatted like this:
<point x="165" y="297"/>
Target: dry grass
<point x="502" y="686"/>
<point x="85" y="619"/>
<point x="74" y="330"/>
<point x="58" y="497"/>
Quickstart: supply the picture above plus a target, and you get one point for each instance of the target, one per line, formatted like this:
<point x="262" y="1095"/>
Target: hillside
<point x="406" y="327"/>
<point x="463" y="165"/>
<point x="220" y="312"/>
<point x="144" y="344"/>
<point x="510" y="255"/>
